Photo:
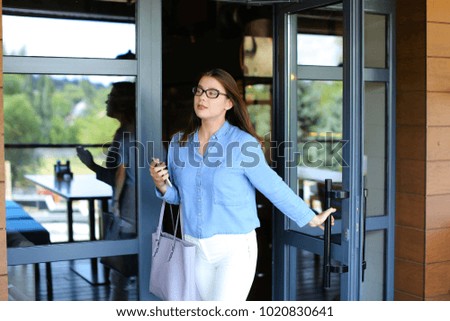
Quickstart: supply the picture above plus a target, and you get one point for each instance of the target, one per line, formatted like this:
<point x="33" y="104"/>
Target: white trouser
<point x="225" y="266"/>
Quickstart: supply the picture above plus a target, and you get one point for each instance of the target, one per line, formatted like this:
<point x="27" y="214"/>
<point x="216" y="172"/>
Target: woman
<point x="214" y="166"/>
<point x="120" y="174"/>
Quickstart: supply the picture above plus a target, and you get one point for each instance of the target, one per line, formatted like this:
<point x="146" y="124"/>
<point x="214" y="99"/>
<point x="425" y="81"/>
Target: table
<point x="80" y="187"/>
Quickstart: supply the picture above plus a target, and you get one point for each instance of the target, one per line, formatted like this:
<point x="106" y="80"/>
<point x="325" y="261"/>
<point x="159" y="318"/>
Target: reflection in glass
<point x="372" y="289"/>
<point x="35" y="36"/>
<point x="43" y="113"/>
<point x="259" y="103"/>
<point x="320" y="36"/>
<point x="375" y="147"/>
<point x="258" y="58"/>
<point x="375" y="49"/>
<point x="319" y="110"/>
<point x="319" y="138"/>
<point x="306" y="270"/>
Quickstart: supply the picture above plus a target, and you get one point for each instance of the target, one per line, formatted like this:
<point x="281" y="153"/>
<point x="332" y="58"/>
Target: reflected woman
<point x="120" y="174"/>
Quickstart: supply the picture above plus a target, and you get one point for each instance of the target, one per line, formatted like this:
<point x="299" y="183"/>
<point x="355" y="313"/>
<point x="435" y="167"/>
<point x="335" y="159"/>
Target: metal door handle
<point x="328" y="268"/>
<point x="364" y="218"/>
<point x="327" y="238"/>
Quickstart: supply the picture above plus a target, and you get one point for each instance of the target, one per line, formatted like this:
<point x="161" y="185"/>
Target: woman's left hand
<point x="318" y="220"/>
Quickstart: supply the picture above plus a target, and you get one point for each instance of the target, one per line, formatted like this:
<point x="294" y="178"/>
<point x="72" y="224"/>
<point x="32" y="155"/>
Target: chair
<point x="23" y="230"/>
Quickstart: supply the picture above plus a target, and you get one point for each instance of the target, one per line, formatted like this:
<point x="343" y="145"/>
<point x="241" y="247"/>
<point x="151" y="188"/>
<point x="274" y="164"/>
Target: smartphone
<point x="167" y="180"/>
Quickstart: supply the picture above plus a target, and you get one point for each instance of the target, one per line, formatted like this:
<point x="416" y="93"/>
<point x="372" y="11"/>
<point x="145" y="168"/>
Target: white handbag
<point x="172" y="273"/>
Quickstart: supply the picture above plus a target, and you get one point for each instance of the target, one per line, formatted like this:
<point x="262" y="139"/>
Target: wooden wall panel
<point x="437" y="275"/>
<point x="411" y="79"/>
<point x="410" y="125"/>
<point x="438" y="10"/>
<point x="437" y="280"/>
<point x="410" y="210"/>
<point x="444" y="297"/>
<point x="438" y="109"/>
<point x="411" y="22"/>
<point x="410" y="244"/>
<point x="411" y="44"/>
<point x="410" y="176"/>
<point x="411" y="107"/>
<point x="402" y="296"/>
<point x="438" y="39"/>
<point x="438" y="143"/>
<point x="412" y="142"/>
<point x="438" y="178"/>
<point x="437" y="246"/>
<point x="3" y="266"/>
<point x="409" y="278"/>
<point x="438" y="74"/>
<point x="3" y="288"/>
<point x="437" y="209"/>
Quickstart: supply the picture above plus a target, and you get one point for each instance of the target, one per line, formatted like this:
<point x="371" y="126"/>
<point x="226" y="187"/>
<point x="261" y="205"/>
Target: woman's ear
<point x="229" y="104"/>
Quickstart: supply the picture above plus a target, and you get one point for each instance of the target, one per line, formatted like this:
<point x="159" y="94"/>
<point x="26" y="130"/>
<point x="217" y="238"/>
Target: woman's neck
<point x="208" y="128"/>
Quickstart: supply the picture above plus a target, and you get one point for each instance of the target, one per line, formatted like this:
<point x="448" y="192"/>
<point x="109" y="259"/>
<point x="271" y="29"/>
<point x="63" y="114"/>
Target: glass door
<point x="323" y="128"/>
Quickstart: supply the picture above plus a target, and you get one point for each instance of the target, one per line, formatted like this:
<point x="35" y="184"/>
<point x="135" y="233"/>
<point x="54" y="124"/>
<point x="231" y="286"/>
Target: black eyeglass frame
<point x="198" y="91"/>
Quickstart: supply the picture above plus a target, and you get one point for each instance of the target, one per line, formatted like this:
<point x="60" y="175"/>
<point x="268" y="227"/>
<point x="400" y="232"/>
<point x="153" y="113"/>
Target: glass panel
<point x="35" y="36"/>
<point x="46" y="117"/>
<point x="58" y="109"/>
<point x="257" y="56"/>
<point x="306" y="270"/>
<point x="375" y="147"/>
<point x="259" y="103"/>
<point x="320" y="36"/>
<point x="372" y="289"/>
<point x="319" y="110"/>
<point x="375" y="48"/>
<point x="319" y="142"/>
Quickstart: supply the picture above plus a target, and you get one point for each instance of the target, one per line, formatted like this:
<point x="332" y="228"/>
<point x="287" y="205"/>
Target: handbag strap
<point x="161" y="217"/>
<point x="159" y="229"/>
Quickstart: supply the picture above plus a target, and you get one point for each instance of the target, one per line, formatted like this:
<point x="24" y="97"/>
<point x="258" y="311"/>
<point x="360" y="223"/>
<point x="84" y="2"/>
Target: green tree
<point x="319" y="111"/>
<point x="22" y="125"/>
<point x="49" y="110"/>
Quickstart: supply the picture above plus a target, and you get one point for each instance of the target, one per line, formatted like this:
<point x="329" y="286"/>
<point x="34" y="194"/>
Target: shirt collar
<point x="222" y="130"/>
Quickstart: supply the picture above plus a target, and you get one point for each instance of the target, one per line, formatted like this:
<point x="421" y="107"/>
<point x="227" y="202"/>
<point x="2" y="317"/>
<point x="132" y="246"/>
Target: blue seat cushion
<point x="16" y="214"/>
<point x="30" y="229"/>
<point x="11" y="204"/>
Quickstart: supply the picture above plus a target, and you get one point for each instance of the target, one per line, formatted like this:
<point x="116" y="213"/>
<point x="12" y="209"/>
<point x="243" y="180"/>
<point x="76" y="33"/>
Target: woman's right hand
<point x="159" y="174"/>
<point x="319" y="219"/>
<point x="85" y="156"/>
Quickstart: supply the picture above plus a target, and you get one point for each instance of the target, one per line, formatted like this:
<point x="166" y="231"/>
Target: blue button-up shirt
<point x="216" y="190"/>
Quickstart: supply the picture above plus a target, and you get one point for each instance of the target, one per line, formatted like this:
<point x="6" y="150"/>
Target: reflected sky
<point x="81" y="38"/>
<point x="319" y="50"/>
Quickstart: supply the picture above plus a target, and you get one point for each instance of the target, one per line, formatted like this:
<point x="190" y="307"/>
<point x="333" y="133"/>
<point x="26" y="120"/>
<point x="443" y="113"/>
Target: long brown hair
<point x="237" y="116"/>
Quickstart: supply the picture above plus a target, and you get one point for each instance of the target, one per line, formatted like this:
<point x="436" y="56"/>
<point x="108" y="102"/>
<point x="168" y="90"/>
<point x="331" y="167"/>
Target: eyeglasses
<point x="210" y="92"/>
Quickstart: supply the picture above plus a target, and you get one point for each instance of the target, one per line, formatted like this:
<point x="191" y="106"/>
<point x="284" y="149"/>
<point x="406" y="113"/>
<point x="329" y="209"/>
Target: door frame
<point x="349" y="252"/>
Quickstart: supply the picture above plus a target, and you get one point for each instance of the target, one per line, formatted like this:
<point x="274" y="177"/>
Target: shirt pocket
<point x="230" y="187"/>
